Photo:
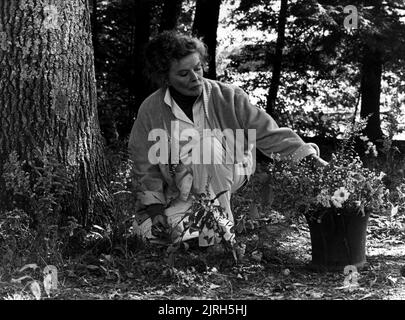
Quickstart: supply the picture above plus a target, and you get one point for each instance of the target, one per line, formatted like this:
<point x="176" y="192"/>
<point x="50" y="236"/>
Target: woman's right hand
<point x="318" y="161"/>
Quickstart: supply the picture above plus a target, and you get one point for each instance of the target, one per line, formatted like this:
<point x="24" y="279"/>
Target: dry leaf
<point x="92" y="267"/>
<point x="29" y="266"/>
<point x="20" y="279"/>
<point x="214" y="286"/>
<point x="48" y="284"/>
<point x="394" y="211"/>
<point x="392" y="280"/>
<point x="53" y="272"/>
<point x="36" y="290"/>
<point x="368" y="295"/>
<point x="317" y="295"/>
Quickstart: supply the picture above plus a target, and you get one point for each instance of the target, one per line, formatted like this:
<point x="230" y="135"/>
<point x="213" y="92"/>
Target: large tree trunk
<point x="94" y="28"/>
<point x="278" y="58"/>
<point x="170" y="14"/>
<point x="48" y="95"/>
<point x="205" y="26"/>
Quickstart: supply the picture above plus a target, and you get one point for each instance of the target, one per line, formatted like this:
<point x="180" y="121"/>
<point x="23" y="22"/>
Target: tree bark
<point x="94" y="29"/>
<point x="205" y="25"/>
<point x="48" y="96"/>
<point x="278" y="59"/>
<point x="170" y="14"/>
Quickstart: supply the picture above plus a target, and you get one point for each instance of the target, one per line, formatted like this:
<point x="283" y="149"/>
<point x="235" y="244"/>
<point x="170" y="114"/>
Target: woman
<point x="195" y="135"/>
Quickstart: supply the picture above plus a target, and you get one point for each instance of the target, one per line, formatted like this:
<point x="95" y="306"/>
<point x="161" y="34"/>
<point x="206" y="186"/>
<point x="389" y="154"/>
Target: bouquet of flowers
<point x="344" y="186"/>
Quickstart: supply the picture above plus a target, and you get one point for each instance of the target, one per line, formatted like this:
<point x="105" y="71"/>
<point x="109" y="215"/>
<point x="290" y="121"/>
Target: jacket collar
<point x="206" y="95"/>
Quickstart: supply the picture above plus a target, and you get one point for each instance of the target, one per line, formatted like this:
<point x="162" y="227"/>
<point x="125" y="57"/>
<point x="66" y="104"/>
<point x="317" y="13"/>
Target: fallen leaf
<point x="29" y="266"/>
<point x="368" y="295"/>
<point x="53" y="272"/>
<point x="92" y="267"/>
<point x="317" y="295"/>
<point x="214" y="286"/>
<point x="20" y="279"/>
<point x="48" y="284"/>
<point x="394" y="211"/>
<point x="392" y="280"/>
<point x="98" y="227"/>
<point x="108" y="257"/>
<point x="36" y="290"/>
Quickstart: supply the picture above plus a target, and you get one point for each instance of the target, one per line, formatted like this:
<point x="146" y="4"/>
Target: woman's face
<point x="185" y="75"/>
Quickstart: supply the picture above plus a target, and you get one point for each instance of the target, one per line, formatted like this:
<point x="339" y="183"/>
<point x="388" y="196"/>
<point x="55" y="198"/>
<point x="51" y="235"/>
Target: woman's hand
<point x="159" y="220"/>
<point x="318" y="161"/>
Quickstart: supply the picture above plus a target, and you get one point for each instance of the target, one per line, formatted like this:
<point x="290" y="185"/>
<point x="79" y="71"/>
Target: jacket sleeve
<point x="270" y="138"/>
<point x="149" y="176"/>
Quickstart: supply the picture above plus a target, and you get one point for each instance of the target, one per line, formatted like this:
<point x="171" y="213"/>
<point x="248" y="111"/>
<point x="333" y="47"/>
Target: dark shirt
<point x="185" y="102"/>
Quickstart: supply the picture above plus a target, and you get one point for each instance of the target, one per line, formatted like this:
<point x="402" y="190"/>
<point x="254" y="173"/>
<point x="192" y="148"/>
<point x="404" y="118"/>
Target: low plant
<point x="207" y="218"/>
<point x="31" y="208"/>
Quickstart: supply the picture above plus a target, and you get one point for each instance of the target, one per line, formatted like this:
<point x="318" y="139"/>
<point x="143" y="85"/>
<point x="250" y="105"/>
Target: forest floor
<point x="281" y="273"/>
<point x="275" y="266"/>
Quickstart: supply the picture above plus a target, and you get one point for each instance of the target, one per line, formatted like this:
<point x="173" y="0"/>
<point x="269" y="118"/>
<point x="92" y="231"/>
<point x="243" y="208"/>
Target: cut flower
<point x="341" y="195"/>
<point x="337" y="202"/>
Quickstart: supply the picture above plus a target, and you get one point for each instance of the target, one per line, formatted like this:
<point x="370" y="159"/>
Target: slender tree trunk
<point x="143" y="16"/>
<point x="371" y="74"/>
<point x="170" y="15"/>
<point x="205" y="26"/>
<point x="48" y="95"/>
<point x="278" y="59"/>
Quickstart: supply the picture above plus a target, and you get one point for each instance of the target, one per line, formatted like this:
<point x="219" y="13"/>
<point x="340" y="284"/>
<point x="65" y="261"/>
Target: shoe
<point x="142" y="227"/>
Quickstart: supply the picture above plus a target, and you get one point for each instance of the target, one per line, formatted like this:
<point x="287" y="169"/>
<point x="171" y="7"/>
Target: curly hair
<point x="170" y="46"/>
